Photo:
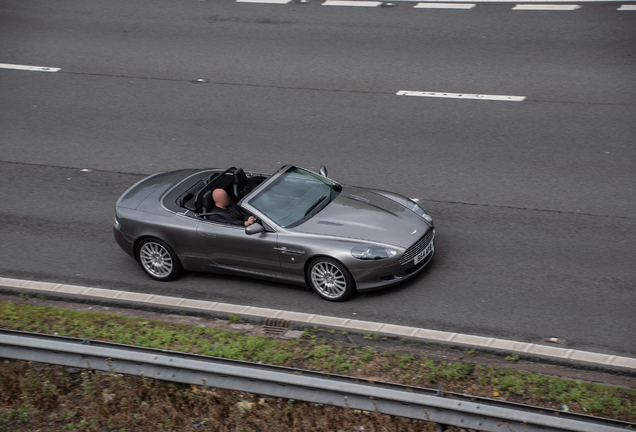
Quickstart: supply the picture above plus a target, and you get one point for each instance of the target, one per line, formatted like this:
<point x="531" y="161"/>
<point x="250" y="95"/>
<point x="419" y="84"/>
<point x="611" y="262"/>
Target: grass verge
<point x="310" y="352"/>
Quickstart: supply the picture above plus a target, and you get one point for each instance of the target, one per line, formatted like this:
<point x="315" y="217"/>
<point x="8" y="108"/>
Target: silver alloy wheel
<point x="156" y="259"/>
<point x="329" y="280"/>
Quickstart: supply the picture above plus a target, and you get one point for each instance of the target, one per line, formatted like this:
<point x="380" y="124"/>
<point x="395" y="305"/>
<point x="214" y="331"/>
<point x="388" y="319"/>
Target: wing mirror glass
<point x="255" y="228"/>
<point x="323" y="171"/>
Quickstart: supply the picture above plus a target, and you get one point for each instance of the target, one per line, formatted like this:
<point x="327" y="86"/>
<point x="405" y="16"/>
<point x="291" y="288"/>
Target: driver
<point x="227" y="212"/>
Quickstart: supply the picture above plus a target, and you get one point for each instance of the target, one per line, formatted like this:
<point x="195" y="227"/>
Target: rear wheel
<point x="330" y="279"/>
<point x="158" y="260"/>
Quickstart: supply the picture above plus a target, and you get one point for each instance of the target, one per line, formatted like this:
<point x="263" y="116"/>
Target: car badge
<point x="414" y="232"/>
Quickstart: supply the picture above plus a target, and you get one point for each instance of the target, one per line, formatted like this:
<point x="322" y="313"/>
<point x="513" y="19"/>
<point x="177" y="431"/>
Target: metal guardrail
<point x="414" y="402"/>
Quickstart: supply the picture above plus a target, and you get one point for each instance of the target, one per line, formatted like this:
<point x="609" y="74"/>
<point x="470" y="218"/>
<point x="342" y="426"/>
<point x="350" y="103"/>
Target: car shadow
<point x="244" y="281"/>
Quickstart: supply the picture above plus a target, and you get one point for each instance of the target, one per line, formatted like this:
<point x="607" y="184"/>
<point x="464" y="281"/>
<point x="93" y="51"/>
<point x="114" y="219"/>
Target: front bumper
<point x="392" y="273"/>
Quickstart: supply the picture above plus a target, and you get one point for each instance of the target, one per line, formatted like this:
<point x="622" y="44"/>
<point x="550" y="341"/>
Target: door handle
<point x="290" y="251"/>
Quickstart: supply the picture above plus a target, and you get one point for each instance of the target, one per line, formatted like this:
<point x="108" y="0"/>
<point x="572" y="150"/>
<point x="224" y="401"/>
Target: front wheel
<point x="330" y="279"/>
<point x="158" y="260"/>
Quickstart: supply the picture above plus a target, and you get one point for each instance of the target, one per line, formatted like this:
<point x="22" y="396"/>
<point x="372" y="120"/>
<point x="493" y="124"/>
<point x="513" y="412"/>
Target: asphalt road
<point x="534" y="201"/>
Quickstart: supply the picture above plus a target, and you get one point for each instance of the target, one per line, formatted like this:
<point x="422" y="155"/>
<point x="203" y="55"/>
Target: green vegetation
<point x="313" y="352"/>
<point x="512" y="358"/>
<point x="236" y="319"/>
<point x="371" y="336"/>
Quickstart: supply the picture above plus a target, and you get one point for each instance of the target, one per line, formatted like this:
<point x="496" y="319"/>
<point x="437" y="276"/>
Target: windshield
<point x="295" y="197"/>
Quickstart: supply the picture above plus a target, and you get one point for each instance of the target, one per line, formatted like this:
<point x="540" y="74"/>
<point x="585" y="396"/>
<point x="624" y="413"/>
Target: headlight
<point x="412" y="205"/>
<point x="117" y="224"/>
<point x="369" y="252"/>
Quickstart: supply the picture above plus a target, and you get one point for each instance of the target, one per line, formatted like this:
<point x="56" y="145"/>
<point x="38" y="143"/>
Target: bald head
<point x="221" y="198"/>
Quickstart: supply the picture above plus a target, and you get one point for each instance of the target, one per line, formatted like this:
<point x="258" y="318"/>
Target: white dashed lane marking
<point x="531" y="5"/>
<point x="444" y="6"/>
<point x="351" y="3"/>
<point x="461" y="96"/>
<point x="545" y="7"/>
<point x="28" y="68"/>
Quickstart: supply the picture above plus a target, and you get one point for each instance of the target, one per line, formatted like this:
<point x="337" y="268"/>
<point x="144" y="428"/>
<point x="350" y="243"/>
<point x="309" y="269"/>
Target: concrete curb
<point x="342" y="323"/>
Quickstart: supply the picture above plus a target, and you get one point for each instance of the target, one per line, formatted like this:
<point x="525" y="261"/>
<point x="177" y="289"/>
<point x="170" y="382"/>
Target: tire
<point x="330" y="279"/>
<point x="158" y="260"/>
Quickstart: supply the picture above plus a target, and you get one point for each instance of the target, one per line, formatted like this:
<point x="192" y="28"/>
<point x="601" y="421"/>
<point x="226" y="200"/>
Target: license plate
<point x="420" y="256"/>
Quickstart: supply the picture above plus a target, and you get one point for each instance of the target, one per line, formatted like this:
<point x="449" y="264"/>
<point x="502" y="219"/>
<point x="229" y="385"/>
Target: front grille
<point x="419" y="265"/>
<point x="417" y="247"/>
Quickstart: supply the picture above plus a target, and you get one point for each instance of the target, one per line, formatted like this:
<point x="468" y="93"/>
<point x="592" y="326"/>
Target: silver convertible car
<point x="309" y="230"/>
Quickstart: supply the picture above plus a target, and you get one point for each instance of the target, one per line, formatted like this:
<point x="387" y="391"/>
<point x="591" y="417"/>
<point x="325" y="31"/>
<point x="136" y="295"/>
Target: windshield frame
<point x="276" y="179"/>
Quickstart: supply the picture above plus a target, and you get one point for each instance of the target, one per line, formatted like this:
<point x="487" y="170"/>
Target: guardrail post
<point x="441" y="427"/>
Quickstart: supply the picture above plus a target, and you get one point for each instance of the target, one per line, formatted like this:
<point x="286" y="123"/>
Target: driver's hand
<point x="250" y="221"/>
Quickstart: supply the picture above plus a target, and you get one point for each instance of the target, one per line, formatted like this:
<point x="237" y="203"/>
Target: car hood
<point x="361" y="214"/>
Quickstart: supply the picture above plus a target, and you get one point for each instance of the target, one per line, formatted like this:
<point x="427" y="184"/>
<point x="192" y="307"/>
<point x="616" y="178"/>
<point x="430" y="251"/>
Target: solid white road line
<point x="351" y="3"/>
<point x="322" y="320"/>
<point x="545" y="7"/>
<point x="444" y="6"/>
<point x="28" y="68"/>
<point x="461" y="96"/>
<point x="627" y="7"/>
<point x="264" y="1"/>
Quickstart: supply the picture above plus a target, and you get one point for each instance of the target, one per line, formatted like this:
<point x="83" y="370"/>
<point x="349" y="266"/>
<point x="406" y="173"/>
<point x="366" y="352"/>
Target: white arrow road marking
<point x="29" y="68"/>
<point x="461" y="96"/>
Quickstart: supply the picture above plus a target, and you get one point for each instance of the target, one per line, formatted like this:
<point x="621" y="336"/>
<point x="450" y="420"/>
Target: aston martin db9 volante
<point x="309" y="229"/>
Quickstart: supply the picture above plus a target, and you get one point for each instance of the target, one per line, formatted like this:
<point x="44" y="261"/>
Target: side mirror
<point x="323" y="171"/>
<point x="255" y="228"/>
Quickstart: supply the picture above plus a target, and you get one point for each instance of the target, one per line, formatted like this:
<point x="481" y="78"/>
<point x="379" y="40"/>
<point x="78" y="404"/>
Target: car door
<point x="293" y="252"/>
<point x="230" y="247"/>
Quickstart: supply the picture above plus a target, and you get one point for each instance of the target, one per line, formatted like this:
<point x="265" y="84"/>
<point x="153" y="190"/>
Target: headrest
<point x="239" y="176"/>
<point x="185" y="199"/>
<point x="207" y="202"/>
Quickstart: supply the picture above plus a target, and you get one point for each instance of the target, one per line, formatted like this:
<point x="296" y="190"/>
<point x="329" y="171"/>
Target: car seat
<point x="207" y="203"/>
<point x="241" y="186"/>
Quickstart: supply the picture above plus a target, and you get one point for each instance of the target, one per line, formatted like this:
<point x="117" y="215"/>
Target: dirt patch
<point x="39" y="397"/>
